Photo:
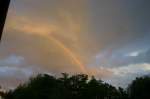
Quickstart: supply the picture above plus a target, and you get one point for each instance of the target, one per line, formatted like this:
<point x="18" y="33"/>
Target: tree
<point x="66" y="87"/>
<point x="140" y="88"/>
<point x="122" y="93"/>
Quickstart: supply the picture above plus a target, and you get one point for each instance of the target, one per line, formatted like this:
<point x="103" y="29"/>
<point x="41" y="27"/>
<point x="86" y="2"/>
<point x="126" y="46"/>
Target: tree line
<point x="79" y="86"/>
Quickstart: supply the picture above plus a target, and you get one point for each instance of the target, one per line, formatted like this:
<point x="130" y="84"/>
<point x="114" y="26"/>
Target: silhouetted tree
<point x="66" y="87"/>
<point x="122" y="93"/>
<point x="140" y="88"/>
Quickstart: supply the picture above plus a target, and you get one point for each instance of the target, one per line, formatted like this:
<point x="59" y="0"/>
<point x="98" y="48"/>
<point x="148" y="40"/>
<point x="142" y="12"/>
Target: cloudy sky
<point x="105" y="38"/>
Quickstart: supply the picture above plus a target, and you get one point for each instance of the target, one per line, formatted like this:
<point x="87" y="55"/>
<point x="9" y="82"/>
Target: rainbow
<point x="69" y="53"/>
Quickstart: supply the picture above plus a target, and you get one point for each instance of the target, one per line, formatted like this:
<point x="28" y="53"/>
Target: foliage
<point x="140" y="88"/>
<point x="78" y="86"/>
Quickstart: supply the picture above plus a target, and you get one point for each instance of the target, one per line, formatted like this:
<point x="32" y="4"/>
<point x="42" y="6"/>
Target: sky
<point x="105" y="38"/>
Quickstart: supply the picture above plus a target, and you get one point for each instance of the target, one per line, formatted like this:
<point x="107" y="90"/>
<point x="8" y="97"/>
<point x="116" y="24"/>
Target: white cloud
<point x="132" y="69"/>
<point x="136" y="53"/>
<point x="123" y="76"/>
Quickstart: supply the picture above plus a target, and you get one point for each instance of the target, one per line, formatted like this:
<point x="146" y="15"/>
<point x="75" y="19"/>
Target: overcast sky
<point x="106" y="38"/>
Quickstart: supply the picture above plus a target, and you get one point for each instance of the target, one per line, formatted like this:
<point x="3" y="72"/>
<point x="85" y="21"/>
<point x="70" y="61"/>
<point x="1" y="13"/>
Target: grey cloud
<point x="11" y="77"/>
<point x="117" y="24"/>
<point x="36" y="50"/>
<point x="12" y="60"/>
<point x="123" y="76"/>
<point x="118" y="58"/>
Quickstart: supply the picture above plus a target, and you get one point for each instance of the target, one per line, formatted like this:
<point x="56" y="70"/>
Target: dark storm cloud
<point x="137" y="52"/>
<point x="142" y="57"/>
<point x="120" y="22"/>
